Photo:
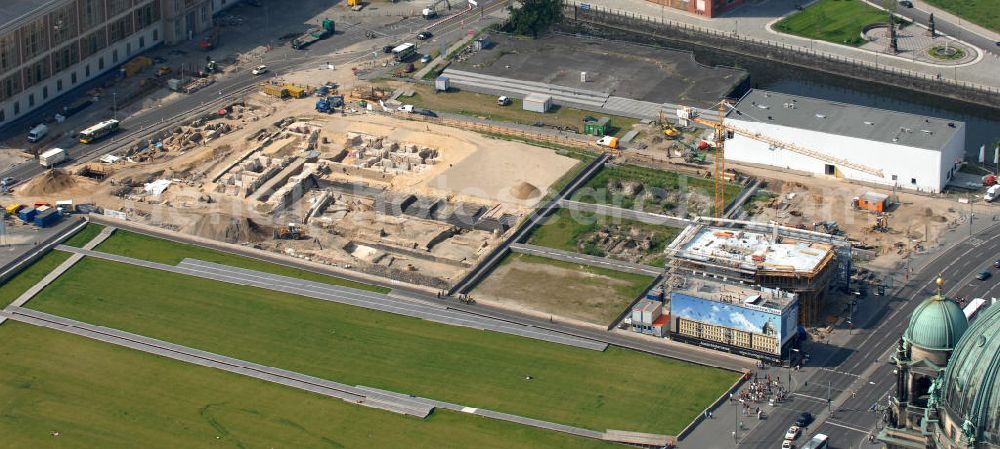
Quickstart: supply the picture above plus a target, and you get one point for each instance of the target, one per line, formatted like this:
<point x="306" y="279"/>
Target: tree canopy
<point x="534" y="16"/>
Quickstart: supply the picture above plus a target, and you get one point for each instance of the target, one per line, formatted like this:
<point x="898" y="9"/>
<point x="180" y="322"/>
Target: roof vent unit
<point x="820" y="115"/>
<point x="895" y="139"/>
<point x="951" y="124"/>
<point x="906" y="130"/>
<point x="870" y="123"/>
<point x="763" y="106"/>
<point x="927" y="131"/>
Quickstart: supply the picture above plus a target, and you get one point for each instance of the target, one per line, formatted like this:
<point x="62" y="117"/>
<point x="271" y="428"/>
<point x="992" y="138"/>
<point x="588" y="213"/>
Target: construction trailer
<point x="537" y="103"/>
<point x="871" y="201"/>
<point x="803" y="262"/>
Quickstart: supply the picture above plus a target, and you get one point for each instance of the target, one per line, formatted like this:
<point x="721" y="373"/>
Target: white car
<point x="793" y="433"/>
<point x="787" y="445"/>
<point x="259" y="70"/>
<point x="408" y="108"/>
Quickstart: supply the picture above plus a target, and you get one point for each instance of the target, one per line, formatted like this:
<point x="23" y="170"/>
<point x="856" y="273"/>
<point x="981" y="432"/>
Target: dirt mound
<point x="524" y="191"/>
<point x="52" y="181"/>
<point x="229" y="229"/>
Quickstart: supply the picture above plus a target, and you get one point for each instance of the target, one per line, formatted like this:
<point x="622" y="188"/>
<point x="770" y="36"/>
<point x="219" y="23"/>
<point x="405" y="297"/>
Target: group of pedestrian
<point x="756" y="391"/>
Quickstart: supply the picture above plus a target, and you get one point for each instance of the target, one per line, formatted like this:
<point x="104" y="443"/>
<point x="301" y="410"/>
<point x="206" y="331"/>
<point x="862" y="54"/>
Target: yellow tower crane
<point x="724" y="131"/>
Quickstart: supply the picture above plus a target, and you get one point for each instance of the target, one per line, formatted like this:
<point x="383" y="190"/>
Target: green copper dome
<point x="937" y="323"/>
<point x="972" y="379"/>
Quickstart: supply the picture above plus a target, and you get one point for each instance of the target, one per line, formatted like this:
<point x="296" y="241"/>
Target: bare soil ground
<point x="560" y="289"/>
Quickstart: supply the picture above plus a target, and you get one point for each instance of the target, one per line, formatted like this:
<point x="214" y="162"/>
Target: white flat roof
<point x="755" y="250"/>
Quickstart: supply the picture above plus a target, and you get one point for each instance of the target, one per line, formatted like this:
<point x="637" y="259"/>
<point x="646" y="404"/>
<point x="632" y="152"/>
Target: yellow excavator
<point x="668" y="130"/>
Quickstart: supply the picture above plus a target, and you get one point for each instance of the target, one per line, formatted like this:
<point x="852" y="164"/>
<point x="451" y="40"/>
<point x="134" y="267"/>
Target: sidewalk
<point x="751" y="21"/>
<point x="949" y="17"/>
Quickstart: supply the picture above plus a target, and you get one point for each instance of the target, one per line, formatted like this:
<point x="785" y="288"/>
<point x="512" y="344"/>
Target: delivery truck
<point x="52" y="157"/>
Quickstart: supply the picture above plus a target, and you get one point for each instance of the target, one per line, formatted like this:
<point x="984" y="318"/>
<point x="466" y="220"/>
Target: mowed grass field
<point x="141" y="246"/>
<point x="984" y="13"/>
<point x="65" y="391"/>
<point x="837" y="21"/>
<point x="618" y="389"/>
<point x="85" y="235"/>
<point x="14" y="287"/>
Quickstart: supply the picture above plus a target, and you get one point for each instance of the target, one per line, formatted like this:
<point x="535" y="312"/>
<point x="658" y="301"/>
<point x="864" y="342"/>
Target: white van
<point x="37" y="133"/>
<point x="992" y="193"/>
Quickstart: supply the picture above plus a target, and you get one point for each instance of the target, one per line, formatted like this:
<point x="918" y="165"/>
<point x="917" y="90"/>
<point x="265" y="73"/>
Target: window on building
<point x="114" y="56"/>
<point x="142" y="41"/>
<point x="17" y="107"/>
<point x="913" y="180"/>
<point x="177" y="30"/>
<point x="45" y="92"/>
<point x="2" y="113"/>
<point x="58" y="85"/>
<point x="128" y="48"/>
<point x="204" y="13"/>
<point x="156" y="35"/>
<point x="31" y="100"/>
<point x="72" y="76"/>
<point x="100" y="63"/>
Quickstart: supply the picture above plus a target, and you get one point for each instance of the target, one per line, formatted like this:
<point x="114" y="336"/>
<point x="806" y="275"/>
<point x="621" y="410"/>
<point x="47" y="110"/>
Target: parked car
<point x="983" y="275"/>
<point x="259" y="70"/>
<point x="804" y="419"/>
<point x="787" y="445"/>
<point x="425" y="59"/>
<point x="9" y="181"/>
<point x="425" y="112"/>
<point x="503" y="101"/>
<point x="424" y="35"/>
<point x="906" y="3"/>
<point x="793" y="433"/>
<point x="388" y="48"/>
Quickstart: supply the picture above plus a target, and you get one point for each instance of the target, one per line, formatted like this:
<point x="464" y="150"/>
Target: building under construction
<point x="802" y="262"/>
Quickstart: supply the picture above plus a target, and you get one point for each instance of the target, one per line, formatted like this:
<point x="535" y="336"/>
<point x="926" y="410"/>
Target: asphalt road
<point x="951" y="29"/>
<point x="862" y="365"/>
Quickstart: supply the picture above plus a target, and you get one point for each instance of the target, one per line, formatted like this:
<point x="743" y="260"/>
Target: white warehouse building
<point x="860" y="143"/>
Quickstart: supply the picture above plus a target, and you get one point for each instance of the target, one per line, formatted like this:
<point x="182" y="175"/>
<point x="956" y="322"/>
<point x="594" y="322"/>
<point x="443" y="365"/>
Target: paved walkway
<point x="751" y="22"/>
<point x="619" y="212"/>
<point x="20" y="301"/>
<point x="343" y="295"/>
<point x="584" y="259"/>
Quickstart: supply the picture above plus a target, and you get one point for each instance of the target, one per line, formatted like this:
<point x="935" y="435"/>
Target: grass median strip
<point x="141" y="246"/>
<point x="62" y="390"/>
<point x="614" y="389"/>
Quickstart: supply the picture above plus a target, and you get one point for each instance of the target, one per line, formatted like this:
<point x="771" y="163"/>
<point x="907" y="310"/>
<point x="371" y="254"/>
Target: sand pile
<point x="524" y="191"/>
<point x="52" y="181"/>
<point x="229" y="229"/>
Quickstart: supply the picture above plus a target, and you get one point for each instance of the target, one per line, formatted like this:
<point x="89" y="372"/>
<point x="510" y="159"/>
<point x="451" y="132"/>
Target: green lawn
<point x="10" y="290"/>
<point x="985" y="13"/>
<point x="85" y="235"/>
<point x="575" y="231"/>
<point x="618" y="388"/>
<point x="597" y="190"/>
<point x="96" y="395"/>
<point x="837" y="21"/>
<point x="141" y="246"/>
<point x="482" y="105"/>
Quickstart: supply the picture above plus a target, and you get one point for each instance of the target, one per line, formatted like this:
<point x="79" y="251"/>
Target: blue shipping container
<point x="47" y="218"/>
<point x="27" y="214"/>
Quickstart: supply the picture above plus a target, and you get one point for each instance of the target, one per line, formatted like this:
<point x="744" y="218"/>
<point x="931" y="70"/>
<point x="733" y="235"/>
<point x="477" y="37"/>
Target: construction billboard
<point x="738" y="325"/>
